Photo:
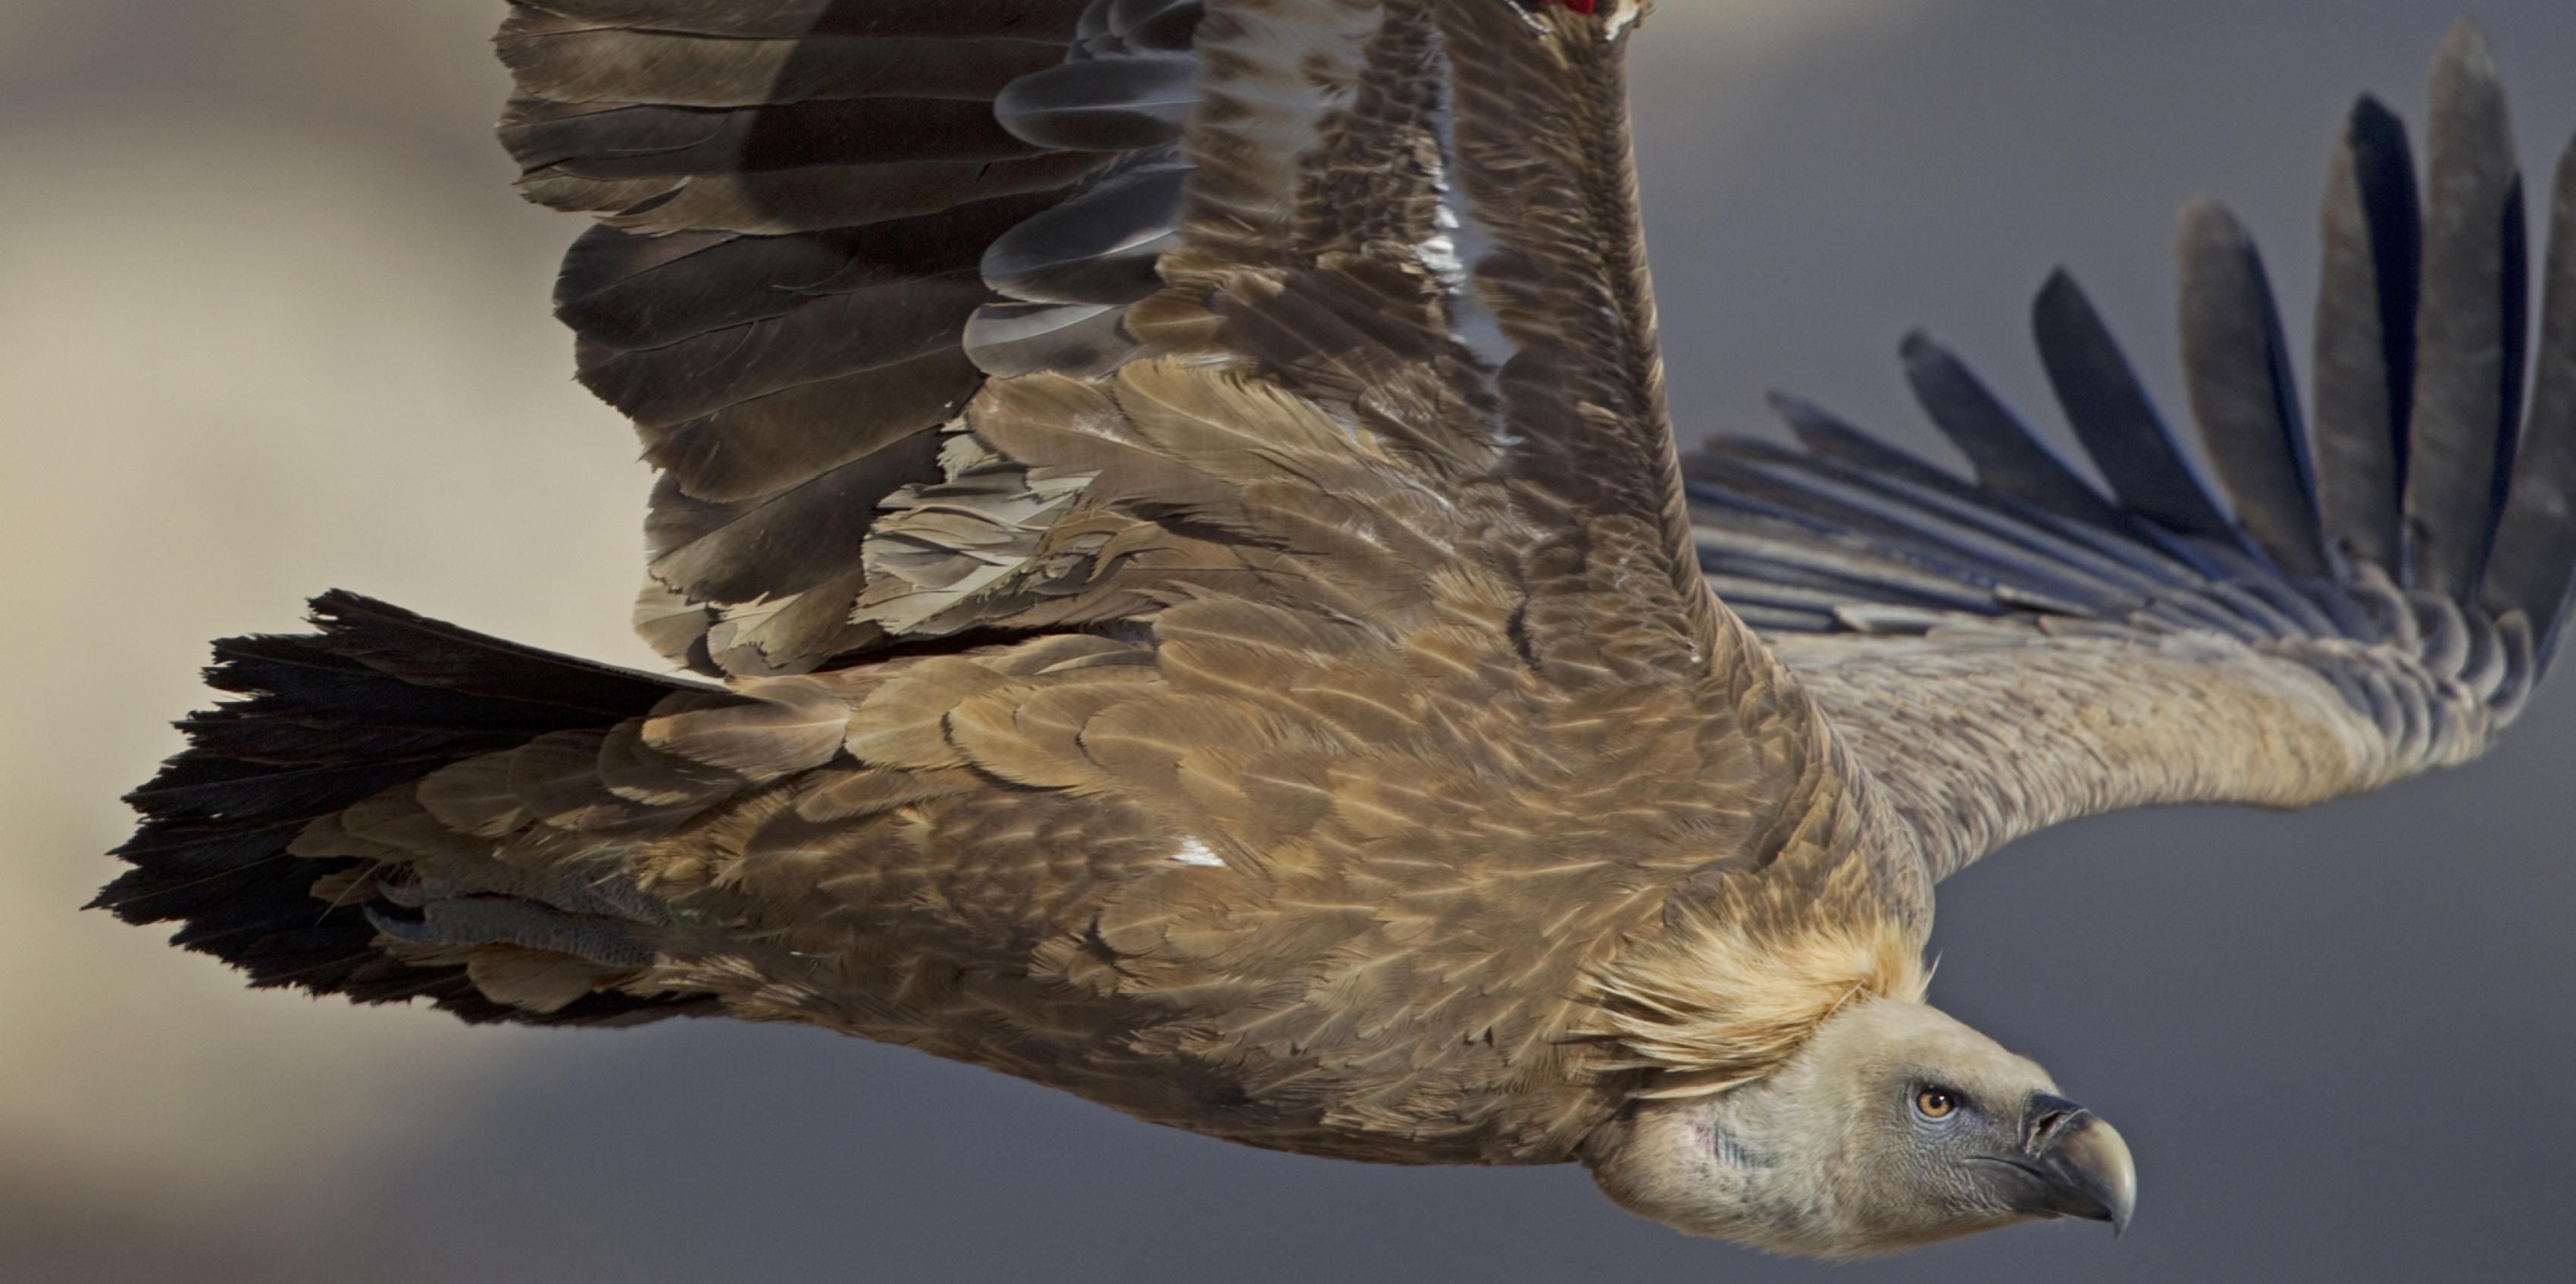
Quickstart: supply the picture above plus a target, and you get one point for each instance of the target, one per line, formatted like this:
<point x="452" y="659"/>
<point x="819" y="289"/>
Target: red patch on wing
<point x="1579" y="6"/>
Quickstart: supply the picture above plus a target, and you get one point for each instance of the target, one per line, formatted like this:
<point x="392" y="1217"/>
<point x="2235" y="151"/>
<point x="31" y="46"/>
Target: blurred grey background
<point x="271" y="320"/>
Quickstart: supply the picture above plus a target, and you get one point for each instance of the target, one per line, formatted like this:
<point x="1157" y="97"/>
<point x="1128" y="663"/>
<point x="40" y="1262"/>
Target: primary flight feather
<point x="1193" y="599"/>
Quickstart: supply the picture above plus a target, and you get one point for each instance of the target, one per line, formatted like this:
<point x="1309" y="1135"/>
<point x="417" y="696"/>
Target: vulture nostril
<point x="2043" y="1126"/>
<point x="2044" y="1116"/>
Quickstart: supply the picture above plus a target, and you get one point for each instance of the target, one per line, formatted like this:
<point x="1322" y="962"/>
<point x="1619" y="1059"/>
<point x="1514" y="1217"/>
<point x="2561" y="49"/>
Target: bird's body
<point x="1169" y="631"/>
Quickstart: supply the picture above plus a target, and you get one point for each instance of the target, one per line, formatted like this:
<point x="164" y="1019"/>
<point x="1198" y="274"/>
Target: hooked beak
<point x="2077" y="1164"/>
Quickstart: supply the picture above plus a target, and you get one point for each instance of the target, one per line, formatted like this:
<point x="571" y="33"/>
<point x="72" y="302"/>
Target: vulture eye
<point x="1936" y="1104"/>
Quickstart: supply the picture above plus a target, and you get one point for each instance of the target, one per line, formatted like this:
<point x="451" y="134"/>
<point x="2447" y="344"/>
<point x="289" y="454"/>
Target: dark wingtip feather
<point x="2470" y="323"/>
<point x="1828" y="435"/>
<point x="2109" y="410"/>
<point x="2237" y="367"/>
<point x="2365" y="334"/>
<point x="2534" y="567"/>
<point x="2007" y="457"/>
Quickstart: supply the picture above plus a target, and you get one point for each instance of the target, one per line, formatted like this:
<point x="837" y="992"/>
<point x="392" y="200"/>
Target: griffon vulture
<point x="1193" y="599"/>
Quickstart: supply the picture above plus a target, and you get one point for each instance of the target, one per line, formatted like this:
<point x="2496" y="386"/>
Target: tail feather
<point x="377" y="697"/>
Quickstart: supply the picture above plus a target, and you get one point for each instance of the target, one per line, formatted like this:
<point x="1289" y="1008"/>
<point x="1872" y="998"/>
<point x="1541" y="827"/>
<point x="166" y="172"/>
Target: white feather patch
<point x="1194" y="852"/>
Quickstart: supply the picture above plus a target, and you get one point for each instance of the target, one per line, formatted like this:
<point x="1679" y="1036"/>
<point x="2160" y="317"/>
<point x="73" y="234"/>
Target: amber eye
<point x="1936" y="1104"/>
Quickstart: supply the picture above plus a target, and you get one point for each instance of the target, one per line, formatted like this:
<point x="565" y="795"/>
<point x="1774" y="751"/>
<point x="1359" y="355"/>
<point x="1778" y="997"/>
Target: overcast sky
<point x="271" y="321"/>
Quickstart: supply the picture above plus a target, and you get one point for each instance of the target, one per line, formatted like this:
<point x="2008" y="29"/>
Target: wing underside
<point x="2375" y="594"/>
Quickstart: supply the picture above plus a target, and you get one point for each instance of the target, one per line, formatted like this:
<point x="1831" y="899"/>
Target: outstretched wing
<point x="826" y="224"/>
<point x="2377" y="599"/>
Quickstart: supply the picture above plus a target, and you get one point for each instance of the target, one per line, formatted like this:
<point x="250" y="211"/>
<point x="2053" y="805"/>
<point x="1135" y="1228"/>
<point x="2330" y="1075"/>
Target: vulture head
<point x="1895" y="1126"/>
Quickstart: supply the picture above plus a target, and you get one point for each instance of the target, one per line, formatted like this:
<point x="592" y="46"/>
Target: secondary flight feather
<point x="1192" y="598"/>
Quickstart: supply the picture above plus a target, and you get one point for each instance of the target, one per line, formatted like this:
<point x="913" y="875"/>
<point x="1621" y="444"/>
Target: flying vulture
<point x="1189" y="595"/>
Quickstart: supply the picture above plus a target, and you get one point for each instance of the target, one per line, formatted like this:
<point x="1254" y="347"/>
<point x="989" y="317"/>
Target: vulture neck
<point x="1744" y="972"/>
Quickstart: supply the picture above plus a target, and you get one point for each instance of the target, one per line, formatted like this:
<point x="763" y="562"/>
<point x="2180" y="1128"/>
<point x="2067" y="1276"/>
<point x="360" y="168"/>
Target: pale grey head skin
<point x="1835" y="1155"/>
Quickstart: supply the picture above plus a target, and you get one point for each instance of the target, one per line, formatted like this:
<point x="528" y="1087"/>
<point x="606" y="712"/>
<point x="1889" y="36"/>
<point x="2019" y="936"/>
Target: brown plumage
<point x="1182" y="636"/>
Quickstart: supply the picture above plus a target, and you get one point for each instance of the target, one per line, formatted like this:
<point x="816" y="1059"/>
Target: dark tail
<point x="379" y="696"/>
